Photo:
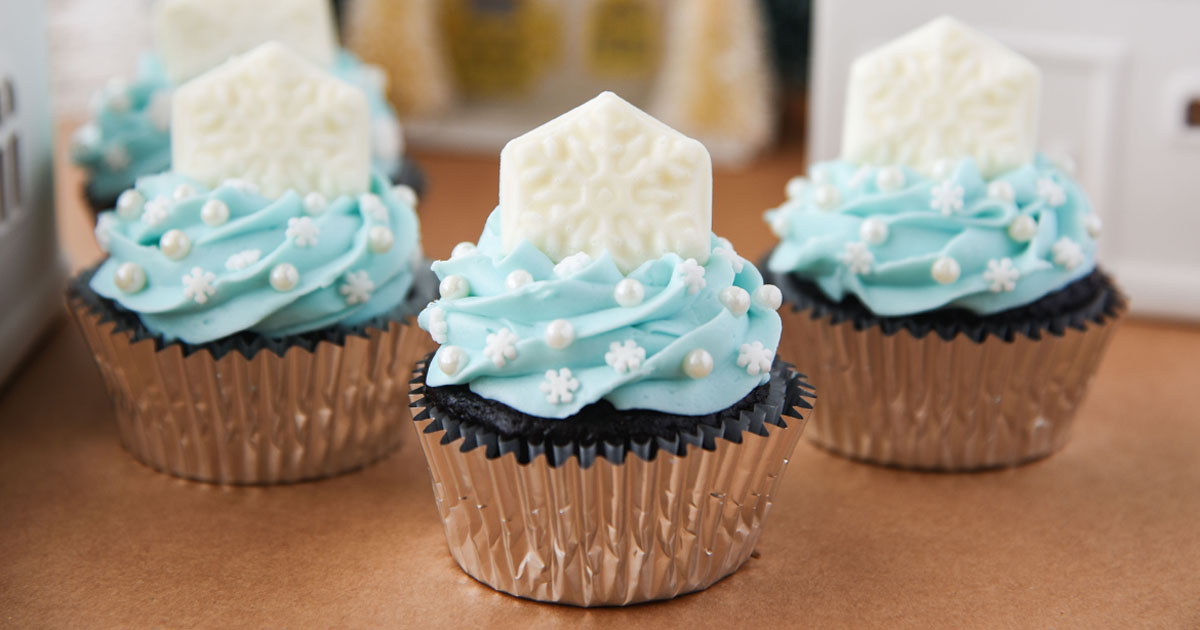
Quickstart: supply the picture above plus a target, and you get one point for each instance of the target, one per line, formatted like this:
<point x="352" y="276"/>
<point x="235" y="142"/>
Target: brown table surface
<point x="1104" y="534"/>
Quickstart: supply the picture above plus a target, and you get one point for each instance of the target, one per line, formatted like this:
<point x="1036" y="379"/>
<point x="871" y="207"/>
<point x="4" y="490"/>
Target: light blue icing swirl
<point x="243" y="299"/>
<point x="899" y="281"/>
<point x="668" y="324"/>
<point x="145" y="143"/>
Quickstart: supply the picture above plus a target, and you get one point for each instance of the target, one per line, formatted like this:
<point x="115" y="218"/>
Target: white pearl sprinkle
<point x="559" y="334"/>
<point x="736" y="299"/>
<point x="1001" y="191"/>
<point x="130" y="277"/>
<point x="454" y="287"/>
<point x="175" y="244"/>
<point x="768" y="296"/>
<point x="827" y="197"/>
<point x="698" y="363"/>
<point x="795" y="187"/>
<point x="214" y="212"/>
<point x="183" y="191"/>
<point x="380" y="239"/>
<point x="407" y="195"/>
<point x="629" y="292"/>
<point x="518" y="279"/>
<point x="1093" y="224"/>
<point x="890" y="179"/>
<point x="284" y="277"/>
<point x="943" y="168"/>
<point x="873" y="231"/>
<point x="1023" y="228"/>
<point x="130" y="204"/>
<point x="462" y="249"/>
<point x="945" y="270"/>
<point x="314" y="203"/>
<point x="451" y="359"/>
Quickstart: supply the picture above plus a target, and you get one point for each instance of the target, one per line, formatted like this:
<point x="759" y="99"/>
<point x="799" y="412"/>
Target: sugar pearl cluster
<point x="302" y="232"/>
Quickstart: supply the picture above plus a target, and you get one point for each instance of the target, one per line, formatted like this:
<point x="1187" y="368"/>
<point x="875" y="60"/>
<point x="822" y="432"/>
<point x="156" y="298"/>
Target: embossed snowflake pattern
<point x="438" y="328"/>
<point x="1067" y="253"/>
<point x="725" y="250"/>
<point x="1051" y="192"/>
<point x="156" y="211"/>
<point x="357" y="287"/>
<point x="104" y="227"/>
<point x="559" y="387"/>
<point x="198" y="285"/>
<point x="242" y="259"/>
<point x="606" y="176"/>
<point x="946" y="197"/>
<point x="500" y="347"/>
<point x="572" y="264"/>
<point x="373" y="207"/>
<point x="624" y="357"/>
<point x="693" y="275"/>
<point x="858" y="258"/>
<point x="755" y="357"/>
<point x="303" y="231"/>
<point x="1001" y="275"/>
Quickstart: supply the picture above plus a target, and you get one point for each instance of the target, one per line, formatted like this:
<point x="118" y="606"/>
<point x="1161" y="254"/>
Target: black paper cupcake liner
<point x="1093" y="298"/>
<point x="600" y="430"/>
<point x="248" y="344"/>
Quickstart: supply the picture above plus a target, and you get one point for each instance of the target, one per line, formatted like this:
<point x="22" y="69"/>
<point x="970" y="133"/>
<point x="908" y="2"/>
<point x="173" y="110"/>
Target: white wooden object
<point x="31" y="281"/>
<point x="1117" y="81"/>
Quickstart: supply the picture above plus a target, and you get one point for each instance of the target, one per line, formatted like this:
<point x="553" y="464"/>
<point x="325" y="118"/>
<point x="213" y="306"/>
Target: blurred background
<point x="760" y="82"/>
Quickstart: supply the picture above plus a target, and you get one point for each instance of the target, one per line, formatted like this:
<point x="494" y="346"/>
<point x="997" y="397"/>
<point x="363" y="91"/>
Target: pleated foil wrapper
<point x="606" y="525"/>
<point x="270" y="417"/>
<point x="931" y="403"/>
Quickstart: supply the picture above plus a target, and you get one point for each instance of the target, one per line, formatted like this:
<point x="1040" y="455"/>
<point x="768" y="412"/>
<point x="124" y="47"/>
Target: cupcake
<point x="605" y="420"/>
<point x="253" y="318"/>
<point x="129" y="134"/>
<point x="942" y="271"/>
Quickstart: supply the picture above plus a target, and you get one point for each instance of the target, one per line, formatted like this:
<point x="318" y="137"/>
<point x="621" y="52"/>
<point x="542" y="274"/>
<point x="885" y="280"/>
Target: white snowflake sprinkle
<point x="156" y="211"/>
<point x="373" y="206"/>
<point x="104" y="227"/>
<point x="438" y="328"/>
<point x="357" y="288"/>
<point x="500" y="346"/>
<point x="1051" y="192"/>
<point x="693" y="275"/>
<point x="197" y="285"/>
<point x="1067" y="253"/>
<point x="572" y="264"/>
<point x="859" y="177"/>
<point x="624" y="357"/>
<point x="116" y="158"/>
<point x="755" y="358"/>
<point x="726" y="251"/>
<point x="947" y="198"/>
<point x="857" y="258"/>
<point x="559" y="387"/>
<point x="303" y="231"/>
<point x="242" y="259"/>
<point x="242" y="185"/>
<point x="1001" y="275"/>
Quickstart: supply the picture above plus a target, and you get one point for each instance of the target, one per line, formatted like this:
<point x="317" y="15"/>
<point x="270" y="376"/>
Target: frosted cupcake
<point x="129" y="134"/>
<point x="252" y="320"/>
<point x="605" y="420"/>
<point x="943" y="273"/>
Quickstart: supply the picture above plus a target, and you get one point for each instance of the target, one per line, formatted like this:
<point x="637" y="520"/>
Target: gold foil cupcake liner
<point x="936" y="404"/>
<point x="267" y="419"/>
<point x="606" y="533"/>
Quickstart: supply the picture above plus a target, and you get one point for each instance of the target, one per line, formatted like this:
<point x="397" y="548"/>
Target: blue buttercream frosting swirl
<point x="917" y="243"/>
<point x="353" y="258"/>
<point x="129" y="135"/>
<point x="505" y="339"/>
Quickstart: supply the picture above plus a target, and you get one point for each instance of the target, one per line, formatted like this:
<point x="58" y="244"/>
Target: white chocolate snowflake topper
<point x="194" y="35"/>
<point x="275" y="120"/>
<point x="607" y="176"/>
<point x="942" y="91"/>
